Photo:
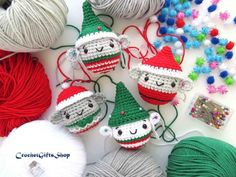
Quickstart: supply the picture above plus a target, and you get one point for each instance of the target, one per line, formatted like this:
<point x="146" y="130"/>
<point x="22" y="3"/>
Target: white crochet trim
<point x="163" y="71"/>
<point x="104" y="67"/>
<point x="73" y="100"/>
<point x="94" y="36"/>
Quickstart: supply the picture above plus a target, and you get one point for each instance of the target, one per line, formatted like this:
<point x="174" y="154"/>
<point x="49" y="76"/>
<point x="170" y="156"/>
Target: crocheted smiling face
<point x="98" y="47"/>
<point x="130" y="125"/>
<point x="160" y="78"/>
<point x="78" y="109"/>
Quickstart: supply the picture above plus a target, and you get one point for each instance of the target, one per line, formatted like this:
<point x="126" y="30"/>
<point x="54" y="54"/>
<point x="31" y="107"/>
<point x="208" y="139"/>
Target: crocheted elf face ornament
<point x="130" y="125"/>
<point x="160" y="78"/>
<point x="98" y="47"/>
<point x="78" y="109"/>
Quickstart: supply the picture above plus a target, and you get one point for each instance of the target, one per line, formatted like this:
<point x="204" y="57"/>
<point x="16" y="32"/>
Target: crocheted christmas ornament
<point x="130" y="125"/>
<point x="159" y="78"/>
<point x="78" y="109"/>
<point x="98" y="47"/>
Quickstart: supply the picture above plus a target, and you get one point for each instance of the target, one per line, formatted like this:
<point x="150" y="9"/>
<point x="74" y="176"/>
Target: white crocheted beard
<point x="159" y="83"/>
<point x="79" y="110"/>
<point x="131" y="131"/>
<point x="99" y="48"/>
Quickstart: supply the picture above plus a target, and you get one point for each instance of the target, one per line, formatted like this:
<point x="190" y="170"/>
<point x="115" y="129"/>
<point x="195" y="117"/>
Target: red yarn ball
<point x="180" y="23"/>
<point x="25" y="93"/>
<point x="214" y="32"/>
<point x="230" y="45"/>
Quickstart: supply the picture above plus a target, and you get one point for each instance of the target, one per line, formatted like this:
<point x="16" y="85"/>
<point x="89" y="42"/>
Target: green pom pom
<point x="193" y="76"/>
<point x="178" y="59"/>
<point x="229" y="81"/>
<point x="201" y="37"/>
<point x="182" y="1"/>
<point x="200" y="61"/>
<point x="220" y="50"/>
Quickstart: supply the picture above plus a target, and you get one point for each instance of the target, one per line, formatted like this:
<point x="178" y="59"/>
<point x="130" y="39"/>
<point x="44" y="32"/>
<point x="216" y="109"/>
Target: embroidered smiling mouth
<point x="101" y="49"/>
<point x="159" y="85"/>
<point x="133" y="133"/>
<point x="80" y="113"/>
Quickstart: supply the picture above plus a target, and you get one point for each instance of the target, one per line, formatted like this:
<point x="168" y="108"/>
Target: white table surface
<point x="96" y="146"/>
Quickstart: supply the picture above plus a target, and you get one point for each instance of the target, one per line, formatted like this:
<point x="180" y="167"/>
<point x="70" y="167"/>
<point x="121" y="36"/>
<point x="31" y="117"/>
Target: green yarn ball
<point x="200" y="61"/>
<point x="229" y="81"/>
<point x="202" y="157"/>
<point x="220" y="50"/>
<point x="193" y="76"/>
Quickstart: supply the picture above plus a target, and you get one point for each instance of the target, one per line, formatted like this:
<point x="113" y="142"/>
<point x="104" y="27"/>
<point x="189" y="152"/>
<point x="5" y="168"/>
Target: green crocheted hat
<point x="127" y="109"/>
<point x="93" y="28"/>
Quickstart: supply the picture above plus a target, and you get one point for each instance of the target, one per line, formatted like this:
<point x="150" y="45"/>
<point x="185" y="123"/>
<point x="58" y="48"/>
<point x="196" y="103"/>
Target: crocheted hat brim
<point x="94" y="36"/>
<point x="77" y="97"/>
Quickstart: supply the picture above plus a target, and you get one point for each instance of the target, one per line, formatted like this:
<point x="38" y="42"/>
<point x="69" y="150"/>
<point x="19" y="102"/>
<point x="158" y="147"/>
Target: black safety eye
<point x="85" y="50"/>
<point x="90" y="105"/>
<point x="120" y="132"/>
<point x="146" y="78"/>
<point x="112" y="45"/>
<point x="173" y="84"/>
<point x="144" y="126"/>
<point x="67" y="115"/>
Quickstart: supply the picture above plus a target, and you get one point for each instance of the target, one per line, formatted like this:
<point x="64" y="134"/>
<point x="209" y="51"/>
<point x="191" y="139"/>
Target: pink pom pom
<point x="213" y="65"/>
<point x="181" y="15"/>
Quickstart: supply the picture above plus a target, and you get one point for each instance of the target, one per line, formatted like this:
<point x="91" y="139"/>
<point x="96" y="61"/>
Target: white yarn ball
<point x="223" y="67"/>
<point x="42" y="137"/>
<point x="179" y="31"/>
<point x="179" y="52"/>
<point x="32" y="25"/>
<point x="207" y="42"/>
<point x="129" y="8"/>
<point x="178" y="44"/>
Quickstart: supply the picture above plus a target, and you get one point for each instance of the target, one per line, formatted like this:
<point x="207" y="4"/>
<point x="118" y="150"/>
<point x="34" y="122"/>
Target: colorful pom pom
<point x="212" y="8"/>
<point x="162" y="18"/>
<point x="193" y="76"/>
<point x="230" y="45"/>
<point x="229" y="81"/>
<point x="200" y="61"/>
<point x="210" y="80"/>
<point x="180" y="23"/>
<point x="198" y="2"/>
<point x="170" y="21"/>
<point x="214" y="40"/>
<point x="184" y="38"/>
<point x="200" y="37"/>
<point x="163" y="30"/>
<point x="224" y="74"/>
<point x="220" y="50"/>
<point x="214" y="32"/>
<point x="229" y="55"/>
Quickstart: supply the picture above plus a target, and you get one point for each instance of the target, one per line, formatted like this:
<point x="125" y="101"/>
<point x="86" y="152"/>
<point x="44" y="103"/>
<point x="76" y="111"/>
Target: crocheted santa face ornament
<point x="78" y="109"/>
<point x="160" y="78"/>
<point x="130" y="125"/>
<point x="98" y="47"/>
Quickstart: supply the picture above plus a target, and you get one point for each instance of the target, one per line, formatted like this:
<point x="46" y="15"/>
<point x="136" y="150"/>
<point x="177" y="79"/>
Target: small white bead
<point x="178" y="44"/>
<point x="179" y="52"/>
<point x="207" y="42"/>
<point x="223" y="67"/>
<point x="179" y="31"/>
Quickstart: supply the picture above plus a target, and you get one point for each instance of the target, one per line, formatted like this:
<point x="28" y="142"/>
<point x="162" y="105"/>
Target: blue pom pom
<point x="193" y="33"/>
<point x="210" y="58"/>
<point x="205" y="30"/>
<point x="223" y="42"/>
<point x="209" y="51"/>
<point x="218" y="58"/>
<point x="187" y="28"/>
<point x="165" y="11"/>
<point x="186" y="5"/>
<point x="234" y="20"/>
<point x="170" y="30"/>
<point x="178" y="7"/>
<point x="174" y="39"/>
<point x="188" y="45"/>
<point x="157" y="44"/>
<point x="214" y="40"/>
<point x="206" y="69"/>
<point x="175" y="2"/>
<point x="229" y="55"/>
<point x="162" y="18"/>
<point x="184" y="38"/>
<point x="188" y="13"/>
<point x="210" y="80"/>
<point x="212" y="8"/>
<point x="196" y="44"/>
<point x="163" y="30"/>
<point x="198" y="2"/>
<point x="224" y="74"/>
<point x="172" y="13"/>
<point x="197" y="69"/>
<point x="167" y="38"/>
<point x="170" y="21"/>
<point x="167" y="3"/>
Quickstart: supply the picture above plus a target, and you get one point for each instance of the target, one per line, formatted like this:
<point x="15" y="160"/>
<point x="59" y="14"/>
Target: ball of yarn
<point x="32" y="25"/>
<point x="25" y="93"/>
<point x="124" y="163"/>
<point x="202" y="156"/>
<point x="128" y="8"/>
<point x="18" y="152"/>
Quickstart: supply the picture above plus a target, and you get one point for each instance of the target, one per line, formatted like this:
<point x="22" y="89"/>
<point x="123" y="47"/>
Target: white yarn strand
<point x="32" y="25"/>
<point x="128" y="8"/>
